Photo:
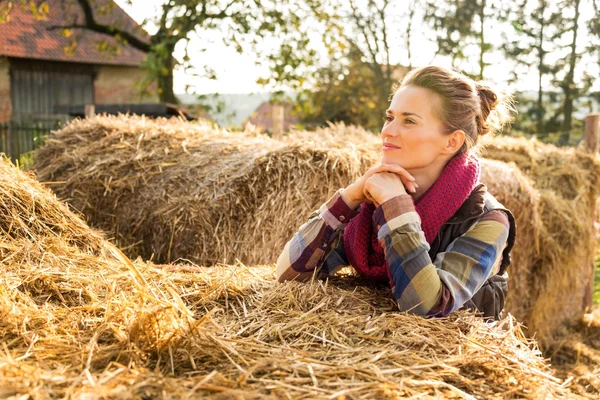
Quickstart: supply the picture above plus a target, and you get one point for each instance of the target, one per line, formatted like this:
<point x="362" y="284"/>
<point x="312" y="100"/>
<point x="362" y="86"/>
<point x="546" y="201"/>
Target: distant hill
<point x="228" y="110"/>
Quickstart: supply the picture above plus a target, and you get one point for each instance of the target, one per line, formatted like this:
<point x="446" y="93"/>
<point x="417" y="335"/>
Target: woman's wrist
<point x="349" y="199"/>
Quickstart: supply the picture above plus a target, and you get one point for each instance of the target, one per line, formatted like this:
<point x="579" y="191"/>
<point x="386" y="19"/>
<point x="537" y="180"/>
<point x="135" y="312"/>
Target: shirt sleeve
<point x="315" y="240"/>
<point x="437" y="287"/>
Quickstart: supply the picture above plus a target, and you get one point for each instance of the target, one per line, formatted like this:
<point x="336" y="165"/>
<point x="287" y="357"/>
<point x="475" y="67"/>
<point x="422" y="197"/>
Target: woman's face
<point x="412" y="134"/>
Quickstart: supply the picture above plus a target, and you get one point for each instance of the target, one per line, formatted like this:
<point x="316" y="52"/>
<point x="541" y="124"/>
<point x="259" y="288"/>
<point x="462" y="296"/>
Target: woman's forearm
<point x="309" y="247"/>
<point x="427" y="287"/>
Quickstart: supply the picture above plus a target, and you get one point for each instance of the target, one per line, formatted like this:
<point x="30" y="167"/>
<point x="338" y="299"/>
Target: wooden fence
<point x="21" y="137"/>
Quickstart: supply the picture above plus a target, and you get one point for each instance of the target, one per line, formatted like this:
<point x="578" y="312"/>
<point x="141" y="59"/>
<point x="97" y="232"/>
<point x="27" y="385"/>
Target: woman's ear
<point x="455" y="141"/>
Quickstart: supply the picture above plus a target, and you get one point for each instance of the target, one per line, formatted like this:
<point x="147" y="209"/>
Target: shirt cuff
<point x="395" y="213"/>
<point x="336" y="213"/>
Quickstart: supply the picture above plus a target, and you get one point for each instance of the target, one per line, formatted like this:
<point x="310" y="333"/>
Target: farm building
<point x="44" y="67"/>
<point x="269" y="114"/>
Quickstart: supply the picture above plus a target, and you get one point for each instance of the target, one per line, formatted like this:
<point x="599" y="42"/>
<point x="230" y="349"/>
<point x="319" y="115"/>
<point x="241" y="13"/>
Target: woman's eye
<point x="409" y="121"/>
<point x="387" y="118"/>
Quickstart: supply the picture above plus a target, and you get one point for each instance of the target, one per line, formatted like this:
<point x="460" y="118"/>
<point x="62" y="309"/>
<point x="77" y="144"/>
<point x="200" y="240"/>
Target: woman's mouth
<point x="389" y="146"/>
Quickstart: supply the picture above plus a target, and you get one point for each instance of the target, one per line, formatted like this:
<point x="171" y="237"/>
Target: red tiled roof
<point x="23" y="36"/>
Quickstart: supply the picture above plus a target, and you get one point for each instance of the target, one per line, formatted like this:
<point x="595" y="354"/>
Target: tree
<point x="346" y="94"/>
<point x="536" y="28"/>
<point x="568" y="83"/>
<point x="593" y="47"/>
<point x="459" y="27"/>
<point x="353" y="82"/>
<point x="238" y="22"/>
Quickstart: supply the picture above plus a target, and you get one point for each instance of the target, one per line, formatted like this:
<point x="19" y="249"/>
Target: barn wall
<point x="119" y="85"/>
<point x="39" y="88"/>
<point x="5" y="103"/>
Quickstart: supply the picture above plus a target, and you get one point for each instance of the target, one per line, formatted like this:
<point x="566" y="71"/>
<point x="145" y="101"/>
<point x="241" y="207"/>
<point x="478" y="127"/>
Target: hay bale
<point x="560" y="268"/>
<point x="80" y="320"/>
<point x="513" y="189"/>
<point x="170" y="190"/>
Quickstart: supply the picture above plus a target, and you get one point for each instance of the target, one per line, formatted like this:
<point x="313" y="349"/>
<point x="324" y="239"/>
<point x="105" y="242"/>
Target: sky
<point x="237" y="73"/>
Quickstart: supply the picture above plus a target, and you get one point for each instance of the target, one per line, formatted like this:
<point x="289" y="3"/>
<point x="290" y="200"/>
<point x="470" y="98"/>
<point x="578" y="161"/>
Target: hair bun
<point x="488" y="100"/>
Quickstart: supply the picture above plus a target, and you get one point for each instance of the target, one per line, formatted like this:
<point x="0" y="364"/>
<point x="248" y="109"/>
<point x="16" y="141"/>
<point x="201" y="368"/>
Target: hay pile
<point x="168" y="190"/>
<point x="171" y="190"/>
<point x="577" y="356"/>
<point x="79" y="320"/>
<point x="554" y="256"/>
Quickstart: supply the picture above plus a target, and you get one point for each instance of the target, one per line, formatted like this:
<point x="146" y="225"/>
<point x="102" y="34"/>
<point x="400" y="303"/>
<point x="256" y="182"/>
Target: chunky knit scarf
<point x="435" y="206"/>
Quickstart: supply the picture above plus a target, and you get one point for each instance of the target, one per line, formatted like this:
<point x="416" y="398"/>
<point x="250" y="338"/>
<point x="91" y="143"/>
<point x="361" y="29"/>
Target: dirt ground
<point x="577" y="356"/>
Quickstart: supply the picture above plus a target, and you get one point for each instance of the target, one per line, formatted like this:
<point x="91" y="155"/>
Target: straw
<point x="80" y="320"/>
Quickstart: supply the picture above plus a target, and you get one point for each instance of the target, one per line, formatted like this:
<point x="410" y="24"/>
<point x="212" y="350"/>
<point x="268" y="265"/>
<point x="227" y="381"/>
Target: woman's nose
<point x="388" y="130"/>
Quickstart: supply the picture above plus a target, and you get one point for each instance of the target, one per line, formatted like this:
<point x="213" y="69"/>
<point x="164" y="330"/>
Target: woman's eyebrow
<point x="407" y="114"/>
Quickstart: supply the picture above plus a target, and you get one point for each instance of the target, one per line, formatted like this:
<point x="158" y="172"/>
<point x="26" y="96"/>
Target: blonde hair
<point x="473" y="107"/>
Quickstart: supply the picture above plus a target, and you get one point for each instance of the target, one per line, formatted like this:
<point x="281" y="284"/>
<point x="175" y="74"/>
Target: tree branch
<point x="361" y="26"/>
<point x="92" y="25"/>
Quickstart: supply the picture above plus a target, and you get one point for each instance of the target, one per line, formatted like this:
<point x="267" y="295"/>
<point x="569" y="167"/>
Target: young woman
<point x="421" y="219"/>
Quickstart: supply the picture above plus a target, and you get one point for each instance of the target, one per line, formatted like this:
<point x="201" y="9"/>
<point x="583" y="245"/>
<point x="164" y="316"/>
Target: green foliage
<point x="460" y="27"/>
<point x="351" y="80"/>
<point x="544" y="39"/>
<point x="349" y="94"/>
<point x="238" y="23"/>
<point x="25" y="161"/>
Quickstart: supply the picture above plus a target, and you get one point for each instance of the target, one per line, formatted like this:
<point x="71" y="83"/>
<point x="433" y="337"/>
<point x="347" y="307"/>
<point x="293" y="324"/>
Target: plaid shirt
<point x="419" y="285"/>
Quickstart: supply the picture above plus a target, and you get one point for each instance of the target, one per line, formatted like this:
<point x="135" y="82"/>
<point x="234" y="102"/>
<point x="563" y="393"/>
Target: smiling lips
<point x="389" y="146"/>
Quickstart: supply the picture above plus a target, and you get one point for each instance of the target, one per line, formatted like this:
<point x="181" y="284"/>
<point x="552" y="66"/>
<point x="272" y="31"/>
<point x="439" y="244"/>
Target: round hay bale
<point x="515" y="191"/>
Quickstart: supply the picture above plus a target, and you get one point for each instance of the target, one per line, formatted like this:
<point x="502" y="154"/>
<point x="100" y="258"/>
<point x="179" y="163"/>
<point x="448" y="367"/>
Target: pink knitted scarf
<point x="435" y="206"/>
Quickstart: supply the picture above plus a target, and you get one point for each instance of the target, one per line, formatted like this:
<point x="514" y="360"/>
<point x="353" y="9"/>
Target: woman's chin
<point x="390" y="160"/>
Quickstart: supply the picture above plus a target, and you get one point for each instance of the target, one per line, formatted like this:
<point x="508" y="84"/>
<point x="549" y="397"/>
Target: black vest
<point x="491" y="297"/>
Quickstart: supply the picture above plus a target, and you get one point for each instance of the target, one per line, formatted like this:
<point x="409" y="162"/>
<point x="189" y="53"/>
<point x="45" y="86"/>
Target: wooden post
<point x="90" y="110"/>
<point x="592" y="132"/>
<point x="278" y="120"/>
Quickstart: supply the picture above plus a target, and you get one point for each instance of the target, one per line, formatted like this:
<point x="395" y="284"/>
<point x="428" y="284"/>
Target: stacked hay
<point x="69" y="300"/>
<point x="79" y="320"/>
<point x="169" y="190"/>
<point x="559" y="259"/>
<point x="516" y="192"/>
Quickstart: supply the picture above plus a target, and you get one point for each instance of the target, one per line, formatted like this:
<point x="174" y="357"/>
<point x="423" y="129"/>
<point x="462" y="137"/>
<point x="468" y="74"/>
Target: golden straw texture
<point x="169" y="190"/>
<point x="80" y="320"/>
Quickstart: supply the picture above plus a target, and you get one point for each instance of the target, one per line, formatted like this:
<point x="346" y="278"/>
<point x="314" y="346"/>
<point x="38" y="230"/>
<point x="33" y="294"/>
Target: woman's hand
<point x="355" y="194"/>
<point x="382" y="186"/>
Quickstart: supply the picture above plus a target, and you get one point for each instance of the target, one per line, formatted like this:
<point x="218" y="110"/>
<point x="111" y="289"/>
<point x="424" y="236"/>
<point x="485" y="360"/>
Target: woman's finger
<point x="407" y="179"/>
<point x="368" y="196"/>
<point x="399" y="170"/>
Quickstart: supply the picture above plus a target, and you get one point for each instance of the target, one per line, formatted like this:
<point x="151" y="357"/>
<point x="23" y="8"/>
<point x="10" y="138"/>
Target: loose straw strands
<point x="250" y="335"/>
<point x="168" y="190"/>
<point x="81" y="320"/>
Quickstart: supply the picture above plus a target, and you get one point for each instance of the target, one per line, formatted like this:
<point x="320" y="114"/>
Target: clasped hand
<point x="379" y="184"/>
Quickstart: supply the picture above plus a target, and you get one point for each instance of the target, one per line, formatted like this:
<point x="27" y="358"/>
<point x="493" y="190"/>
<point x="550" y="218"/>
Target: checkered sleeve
<point x="437" y="287"/>
<point x="308" y="249"/>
